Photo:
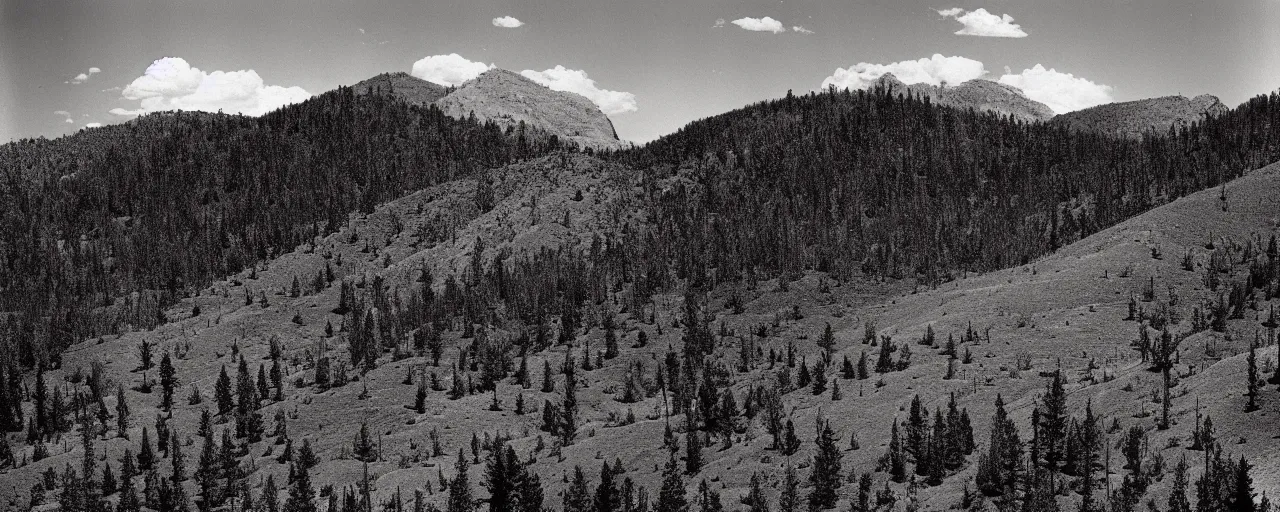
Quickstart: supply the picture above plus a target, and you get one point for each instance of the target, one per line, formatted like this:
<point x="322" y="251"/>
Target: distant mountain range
<point x="508" y="99"/>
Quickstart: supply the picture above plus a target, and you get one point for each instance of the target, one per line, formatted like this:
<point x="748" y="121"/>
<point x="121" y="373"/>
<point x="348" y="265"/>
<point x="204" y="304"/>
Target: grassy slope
<point x="1072" y="303"/>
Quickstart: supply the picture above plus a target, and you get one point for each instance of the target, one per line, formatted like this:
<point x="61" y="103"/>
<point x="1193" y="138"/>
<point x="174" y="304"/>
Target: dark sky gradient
<point x="665" y="52"/>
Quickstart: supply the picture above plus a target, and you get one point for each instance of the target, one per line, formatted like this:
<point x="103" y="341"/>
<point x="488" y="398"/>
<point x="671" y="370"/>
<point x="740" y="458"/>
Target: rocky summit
<point x="507" y="98"/>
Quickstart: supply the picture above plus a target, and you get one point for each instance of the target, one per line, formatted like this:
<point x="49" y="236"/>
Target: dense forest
<point x="889" y="184"/>
<point x="165" y="204"/>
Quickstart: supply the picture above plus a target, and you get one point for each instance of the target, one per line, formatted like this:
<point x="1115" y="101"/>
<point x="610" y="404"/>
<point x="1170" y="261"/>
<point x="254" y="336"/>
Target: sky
<point x="652" y="65"/>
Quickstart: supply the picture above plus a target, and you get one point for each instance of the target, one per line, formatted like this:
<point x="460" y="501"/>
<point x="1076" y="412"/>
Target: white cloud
<point x="92" y="125"/>
<point x="507" y="22"/>
<point x="801" y="29"/>
<point x="981" y="23"/>
<point x="451" y="69"/>
<point x="765" y="24"/>
<point x="62" y="113"/>
<point x="84" y="77"/>
<point x="576" y="81"/>
<point x="69" y="120"/>
<point x="172" y="84"/>
<point x="933" y="71"/>
<point x="1062" y="92"/>
<point x="719" y="23"/>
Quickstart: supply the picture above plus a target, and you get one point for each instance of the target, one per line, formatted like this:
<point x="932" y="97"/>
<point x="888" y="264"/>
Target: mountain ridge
<point x="1151" y="115"/>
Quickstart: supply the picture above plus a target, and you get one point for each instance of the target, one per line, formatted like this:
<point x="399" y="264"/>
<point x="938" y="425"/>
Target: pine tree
<point x="863" y="503"/>
<point x="897" y="455"/>
<point x="693" y="451"/>
<point x="789" y="500"/>
<point x="708" y="500"/>
<point x="1053" y="422"/>
<point x="179" y="473"/>
<point x="122" y="413"/>
<point x="301" y="495"/>
<point x="168" y="381"/>
<point x="828" y="340"/>
<point x="460" y="499"/>
<point x="146" y="458"/>
<point x="826" y="473"/>
<point x="1252" y="375"/>
<point x="756" y="499"/>
<point x="222" y="393"/>
<point x="1178" y="501"/>
<point x="884" y="362"/>
<point x="672" y="496"/>
<point x="607" y="498"/>
<point x="1242" y="489"/>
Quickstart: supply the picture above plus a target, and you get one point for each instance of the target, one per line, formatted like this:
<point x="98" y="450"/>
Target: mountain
<point x="419" y="293"/>
<point x="507" y="98"/>
<point x="1135" y="118"/>
<point x="403" y="85"/>
<point x="981" y="95"/>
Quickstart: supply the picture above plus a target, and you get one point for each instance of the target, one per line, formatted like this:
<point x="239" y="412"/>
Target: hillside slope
<point x="1135" y="118"/>
<point x="404" y="86"/>
<point x="1066" y="311"/>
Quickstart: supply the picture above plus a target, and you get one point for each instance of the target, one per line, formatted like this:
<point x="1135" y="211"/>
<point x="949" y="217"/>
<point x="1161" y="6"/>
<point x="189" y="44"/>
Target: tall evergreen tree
<point x="672" y="498"/>
<point x="826" y="473"/>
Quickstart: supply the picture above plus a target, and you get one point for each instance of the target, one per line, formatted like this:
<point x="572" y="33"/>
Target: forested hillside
<point x="898" y="187"/>
<point x="166" y="203"/>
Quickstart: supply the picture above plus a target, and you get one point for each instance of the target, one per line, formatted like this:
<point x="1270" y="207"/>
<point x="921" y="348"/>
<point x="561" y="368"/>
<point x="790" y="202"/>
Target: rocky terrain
<point x="509" y="99"/>
<point x="1135" y="118"/>
<point x="982" y="95"/>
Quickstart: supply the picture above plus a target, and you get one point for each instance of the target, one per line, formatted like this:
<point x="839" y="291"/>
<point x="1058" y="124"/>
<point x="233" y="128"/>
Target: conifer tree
<point x="1251" y="387"/>
<point x="577" y="498"/>
<point x="693" y="451"/>
<point x="122" y="413"/>
<point x="1178" y="501"/>
<point x="828" y="340"/>
<point x="301" y="495"/>
<point x="672" y="498"/>
<point x="708" y="500"/>
<point x="826" y="473"/>
<point x="222" y="393"/>
<point x="179" y="473"/>
<point x="789" y="499"/>
<point x="756" y="499"/>
<point x="897" y="455"/>
<point x="146" y="458"/>
<point x="607" y="498"/>
<point x="460" y="499"/>
<point x="168" y="381"/>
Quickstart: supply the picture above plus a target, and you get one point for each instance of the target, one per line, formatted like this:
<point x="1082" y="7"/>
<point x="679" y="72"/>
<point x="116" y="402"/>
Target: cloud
<point x="576" y="81"/>
<point x="1062" y="92"/>
<point x="981" y="23"/>
<point x="84" y="77"/>
<point x="933" y="71"/>
<point x="801" y="29"/>
<point x="451" y="69"/>
<point x="69" y="120"/>
<point x="507" y="22"/>
<point x="765" y="24"/>
<point x="172" y="84"/>
<point x="62" y="113"/>
<point x="719" y="23"/>
<point x="92" y="125"/>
